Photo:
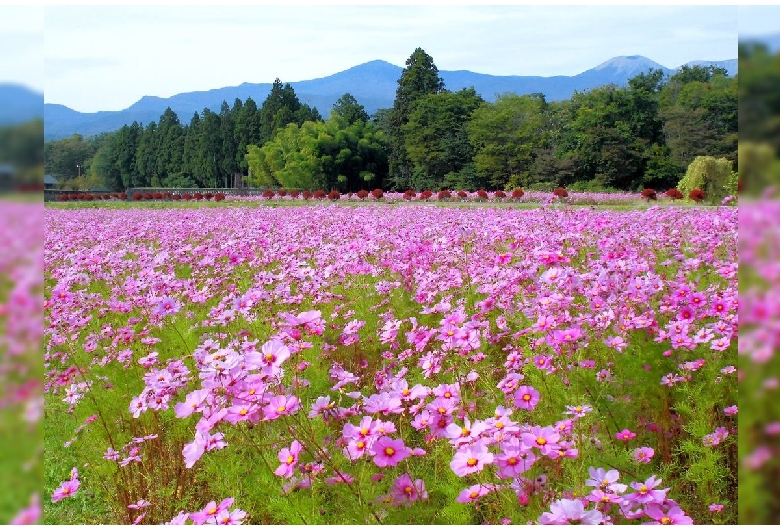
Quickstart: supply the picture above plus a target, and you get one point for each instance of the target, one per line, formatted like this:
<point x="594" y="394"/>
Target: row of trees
<point x="643" y="135"/>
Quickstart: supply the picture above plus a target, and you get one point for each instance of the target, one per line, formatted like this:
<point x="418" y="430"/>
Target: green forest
<point x="643" y="135"/>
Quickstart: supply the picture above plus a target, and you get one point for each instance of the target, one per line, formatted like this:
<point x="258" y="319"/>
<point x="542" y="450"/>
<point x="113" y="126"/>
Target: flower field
<point x="394" y="364"/>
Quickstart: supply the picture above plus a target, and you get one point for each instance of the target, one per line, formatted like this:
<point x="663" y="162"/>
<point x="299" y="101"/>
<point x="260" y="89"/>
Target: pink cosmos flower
<point x="543" y="438"/>
<point x="288" y="459"/>
<point x="66" y="489"/>
<point x="716" y="507"/>
<point x="281" y="406"/>
<point x="730" y="411"/>
<point x="471" y="459"/>
<point x="274" y="353"/>
<point x="514" y="459"/>
<point x="643" y="455"/>
<point x="473" y="493"/>
<point x="675" y="515"/>
<point x="208" y="515"/>
<point x="29" y="515"/>
<point x="599" y="478"/>
<point x="388" y="452"/>
<point x="625" y="435"/>
<point x="526" y="397"/>
<point x="646" y="492"/>
<point x="566" y="511"/>
<point x="405" y="491"/>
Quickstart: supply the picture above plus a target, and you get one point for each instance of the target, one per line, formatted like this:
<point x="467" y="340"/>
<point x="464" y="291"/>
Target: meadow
<point x="366" y="363"/>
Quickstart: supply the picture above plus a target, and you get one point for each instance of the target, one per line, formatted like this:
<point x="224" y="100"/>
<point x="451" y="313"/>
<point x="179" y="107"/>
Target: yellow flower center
<point x="512" y="461"/>
<point x="541" y="441"/>
<point x="643" y="489"/>
<point x="526" y="397"/>
<point x="408" y="489"/>
<point x="281" y="409"/>
<point x="290" y="459"/>
<point x="389" y="451"/>
<point x="473" y="495"/>
<point x="360" y="445"/>
<point x="471" y="462"/>
<point x="665" y="520"/>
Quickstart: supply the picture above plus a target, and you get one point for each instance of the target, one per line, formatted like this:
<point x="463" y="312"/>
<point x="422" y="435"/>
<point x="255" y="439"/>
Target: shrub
<point x="137" y="196"/>
<point x="425" y="195"/>
<point x="444" y="195"/>
<point x="334" y="195"/>
<point x="320" y="194"/>
<point x="697" y="195"/>
<point x="560" y="192"/>
<point x="281" y="192"/>
<point x="708" y="174"/>
<point x="674" y="194"/>
<point x="499" y="195"/>
<point x="518" y="193"/>
<point x="88" y="197"/>
<point x="198" y="196"/>
<point x="123" y="196"/>
<point x="482" y="194"/>
<point x="62" y="197"/>
<point x="362" y="195"/>
<point x="106" y="196"/>
<point x="649" y="194"/>
<point x="377" y="193"/>
<point x="409" y="195"/>
<point x="208" y="195"/>
<point x="219" y="196"/>
<point x="157" y="195"/>
<point x="267" y="194"/>
<point x="294" y="193"/>
<point x="186" y="197"/>
<point x="462" y="194"/>
<point x="176" y="197"/>
<point x="307" y="195"/>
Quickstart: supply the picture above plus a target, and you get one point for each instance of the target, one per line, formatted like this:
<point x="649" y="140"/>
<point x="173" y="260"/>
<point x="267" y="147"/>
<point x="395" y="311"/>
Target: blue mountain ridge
<point x="19" y="104"/>
<point x="373" y="85"/>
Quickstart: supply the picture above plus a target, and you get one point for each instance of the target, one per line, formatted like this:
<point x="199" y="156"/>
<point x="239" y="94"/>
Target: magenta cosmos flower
<point x="526" y="397"/>
<point x="405" y="491"/>
<point x="471" y="459"/>
<point x="473" y="493"/>
<point x="66" y="489"/>
<point x="675" y="515"/>
<point x="388" y="452"/>
<point x="288" y="459"/>
<point x="625" y="435"/>
<point x="566" y="511"/>
<point x="643" y="455"/>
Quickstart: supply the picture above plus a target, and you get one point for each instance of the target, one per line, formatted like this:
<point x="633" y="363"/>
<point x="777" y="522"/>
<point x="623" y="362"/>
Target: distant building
<point x="49" y="182"/>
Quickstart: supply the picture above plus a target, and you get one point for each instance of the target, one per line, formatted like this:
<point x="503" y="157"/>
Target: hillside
<point x="373" y="84"/>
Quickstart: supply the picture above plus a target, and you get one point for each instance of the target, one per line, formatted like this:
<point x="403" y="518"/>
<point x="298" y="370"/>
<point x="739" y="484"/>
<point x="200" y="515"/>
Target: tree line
<point x="625" y="138"/>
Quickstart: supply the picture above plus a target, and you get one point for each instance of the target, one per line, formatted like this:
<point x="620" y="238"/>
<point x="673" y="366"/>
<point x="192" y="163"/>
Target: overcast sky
<point x="107" y="57"/>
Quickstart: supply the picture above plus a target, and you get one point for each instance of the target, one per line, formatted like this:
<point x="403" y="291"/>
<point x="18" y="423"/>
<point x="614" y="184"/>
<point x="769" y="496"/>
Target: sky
<point x="106" y="57"/>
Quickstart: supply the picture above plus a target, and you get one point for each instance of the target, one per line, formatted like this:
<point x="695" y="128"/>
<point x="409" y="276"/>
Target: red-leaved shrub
<point x="378" y="193"/>
<point x="518" y="193"/>
<point x="443" y="195"/>
<point x="561" y="192"/>
<point x="649" y="194"/>
<point x="697" y="195"/>
<point x="362" y="194"/>
<point x="674" y="194"/>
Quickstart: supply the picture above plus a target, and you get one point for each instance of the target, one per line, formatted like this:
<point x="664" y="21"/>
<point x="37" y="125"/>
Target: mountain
<point x="19" y="104"/>
<point x="373" y="85"/>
